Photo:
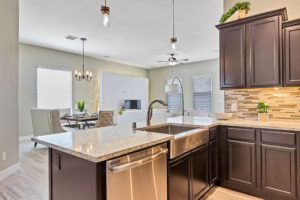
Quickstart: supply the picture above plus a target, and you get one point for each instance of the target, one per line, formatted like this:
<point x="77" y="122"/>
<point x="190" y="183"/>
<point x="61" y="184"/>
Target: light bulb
<point x="76" y="72"/>
<point x="173" y="46"/>
<point x="172" y="63"/>
<point x="91" y="74"/>
<point x="106" y="19"/>
<point x="87" y="72"/>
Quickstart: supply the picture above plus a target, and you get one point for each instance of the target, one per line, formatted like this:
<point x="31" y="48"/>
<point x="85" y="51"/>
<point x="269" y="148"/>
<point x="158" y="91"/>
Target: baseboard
<point x="9" y="171"/>
<point x="25" y="138"/>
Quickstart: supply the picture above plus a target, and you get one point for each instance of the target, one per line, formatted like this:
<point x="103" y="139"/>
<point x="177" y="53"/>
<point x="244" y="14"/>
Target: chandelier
<point x="85" y="75"/>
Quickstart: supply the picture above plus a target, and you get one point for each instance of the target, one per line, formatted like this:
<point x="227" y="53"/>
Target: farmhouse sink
<point x="172" y="129"/>
<point x="186" y="137"/>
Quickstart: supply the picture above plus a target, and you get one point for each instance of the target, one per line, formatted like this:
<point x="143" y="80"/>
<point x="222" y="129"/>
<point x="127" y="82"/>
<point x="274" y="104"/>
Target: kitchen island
<point x="77" y="160"/>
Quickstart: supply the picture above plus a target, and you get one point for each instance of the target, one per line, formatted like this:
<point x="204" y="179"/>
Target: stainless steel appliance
<point x="138" y="176"/>
<point x="186" y="137"/>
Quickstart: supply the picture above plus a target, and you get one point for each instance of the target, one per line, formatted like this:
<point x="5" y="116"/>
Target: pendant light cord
<point x="105" y="3"/>
<point x="83" y="55"/>
<point x="173" y="18"/>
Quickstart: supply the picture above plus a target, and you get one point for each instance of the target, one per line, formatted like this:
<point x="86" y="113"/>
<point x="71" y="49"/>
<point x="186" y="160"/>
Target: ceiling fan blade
<point x="185" y="60"/>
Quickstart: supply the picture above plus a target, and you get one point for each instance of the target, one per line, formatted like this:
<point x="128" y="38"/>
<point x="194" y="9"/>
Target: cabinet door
<point x="241" y="163"/>
<point x="179" y="179"/>
<point x="232" y="57"/>
<point x="199" y="178"/>
<point x="279" y="171"/>
<point x="263" y="52"/>
<point x="292" y="58"/>
<point x="213" y="161"/>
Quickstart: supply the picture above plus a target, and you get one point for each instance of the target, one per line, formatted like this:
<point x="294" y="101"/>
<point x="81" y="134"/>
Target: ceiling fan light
<point x="172" y="63"/>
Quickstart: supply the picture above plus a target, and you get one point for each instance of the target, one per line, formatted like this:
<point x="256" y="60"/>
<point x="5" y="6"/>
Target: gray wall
<point x="159" y="76"/>
<point x="31" y="56"/>
<point x="9" y="34"/>
<point x="259" y="6"/>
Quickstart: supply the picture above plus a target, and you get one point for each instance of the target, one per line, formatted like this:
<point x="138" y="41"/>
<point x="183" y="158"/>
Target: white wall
<point x="115" y="88"/>
<point x="31" y="56"/>
<point x="9" y="34"/>
<point x="159" y="76"/>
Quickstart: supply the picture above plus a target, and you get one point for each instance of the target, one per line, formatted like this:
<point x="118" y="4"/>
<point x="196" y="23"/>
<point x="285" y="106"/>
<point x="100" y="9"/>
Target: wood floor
<point x="31" y="182"/>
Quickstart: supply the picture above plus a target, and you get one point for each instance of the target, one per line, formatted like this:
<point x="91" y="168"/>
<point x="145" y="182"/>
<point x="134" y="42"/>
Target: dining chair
<point x="106" y="118"/>
<point x="45" y="121"/>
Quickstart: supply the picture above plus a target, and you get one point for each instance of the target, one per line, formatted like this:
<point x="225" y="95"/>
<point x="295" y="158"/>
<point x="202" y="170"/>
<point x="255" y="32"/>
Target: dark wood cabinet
<point x="179" y="172"/>
<point x="251" y="51"/>
<point x="199" y="176"/>
<point x="233" y="61"/>
<point x="263" y="52"/>
<point x="188" y="175"/>
<point x="279" y="171"/>
<point x="260" y="162"/>
<point x="291" y="34"/>
<point x="213" y="161"/>
<point x="241" y="163"/>
<point x="85" y="181"/>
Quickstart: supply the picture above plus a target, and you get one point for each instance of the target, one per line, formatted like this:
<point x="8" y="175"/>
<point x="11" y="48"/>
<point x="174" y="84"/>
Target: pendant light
<point x="105" y="12"/>
<point x="85" y="75"/>
<point x="173" y="40"/>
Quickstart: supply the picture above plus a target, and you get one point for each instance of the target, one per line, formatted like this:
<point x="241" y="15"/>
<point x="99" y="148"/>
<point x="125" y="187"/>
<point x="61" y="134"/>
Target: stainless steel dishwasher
<point x="138" y="176"/>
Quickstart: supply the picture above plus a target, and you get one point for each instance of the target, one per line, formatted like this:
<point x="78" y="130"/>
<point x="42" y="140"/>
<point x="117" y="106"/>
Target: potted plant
<point x="263" y="114"/>
<point x="81" y="106"/>
<point x="241" y="7"/>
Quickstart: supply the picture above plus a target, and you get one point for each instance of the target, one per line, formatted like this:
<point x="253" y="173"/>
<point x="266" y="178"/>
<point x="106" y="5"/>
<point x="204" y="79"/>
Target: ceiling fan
<point x="173" y="61"/>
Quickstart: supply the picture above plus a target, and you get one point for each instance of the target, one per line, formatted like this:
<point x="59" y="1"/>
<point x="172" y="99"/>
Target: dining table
<point x="80" y="118"/>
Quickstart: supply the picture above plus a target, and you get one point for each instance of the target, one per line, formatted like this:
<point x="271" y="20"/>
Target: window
<point x="174" y="99"/>
<point x="54" y="88"/>
<point x="202" y="88"/>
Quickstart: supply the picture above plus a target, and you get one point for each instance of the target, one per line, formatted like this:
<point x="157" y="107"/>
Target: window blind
<point x="202" y="89"/>
<point x="174" y="98"/>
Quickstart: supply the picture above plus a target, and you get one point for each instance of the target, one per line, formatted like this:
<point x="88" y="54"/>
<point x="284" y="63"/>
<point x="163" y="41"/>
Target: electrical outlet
<point x="234" y="107"/>
<point x="3" y="155"/>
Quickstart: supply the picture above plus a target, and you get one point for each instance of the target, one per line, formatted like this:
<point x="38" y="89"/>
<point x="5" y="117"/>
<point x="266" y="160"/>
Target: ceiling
<point x="139" y="33"/>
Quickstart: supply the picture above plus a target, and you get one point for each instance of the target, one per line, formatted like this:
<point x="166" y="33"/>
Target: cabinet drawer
<point x="212" y="133"/>
<point x="278" y="137"/>
<point x="241" y="134"/>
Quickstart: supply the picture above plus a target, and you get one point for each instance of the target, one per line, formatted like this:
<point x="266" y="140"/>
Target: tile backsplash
<point x="284" y="102"/>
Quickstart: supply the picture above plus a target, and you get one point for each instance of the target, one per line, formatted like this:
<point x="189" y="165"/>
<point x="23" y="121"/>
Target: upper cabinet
<point x="291" y="35"/>
<point x="250" y="51"/>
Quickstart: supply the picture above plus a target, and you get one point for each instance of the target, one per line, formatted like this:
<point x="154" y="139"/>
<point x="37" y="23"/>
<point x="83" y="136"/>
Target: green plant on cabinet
<point x="238" y="6"/>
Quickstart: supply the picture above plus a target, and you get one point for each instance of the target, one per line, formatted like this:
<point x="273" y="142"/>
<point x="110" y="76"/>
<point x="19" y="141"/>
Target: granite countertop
<point x="208" y="122"/>
<point x="101" y="144"/>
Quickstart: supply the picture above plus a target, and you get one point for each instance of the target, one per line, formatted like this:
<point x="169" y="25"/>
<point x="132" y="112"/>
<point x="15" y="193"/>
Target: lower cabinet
<point x="199" y="169"/>
<point x="179" y="179"/>
<point x="241" y="163"/>
<point x="279" y="171"/>
<point x="260" y="162"/>
<point x="188" y="175"/>
<point x="213" y="161"/>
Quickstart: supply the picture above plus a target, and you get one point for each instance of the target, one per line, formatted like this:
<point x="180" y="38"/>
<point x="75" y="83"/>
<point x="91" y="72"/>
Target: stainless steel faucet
<point x="149" y="112"/>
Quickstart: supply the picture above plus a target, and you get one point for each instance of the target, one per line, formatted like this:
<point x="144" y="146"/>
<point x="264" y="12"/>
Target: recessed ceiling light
<point x="197" y="33"/>
<point x="71" y="37"/>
